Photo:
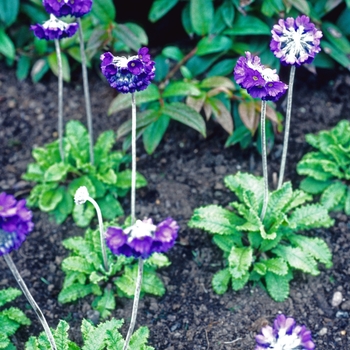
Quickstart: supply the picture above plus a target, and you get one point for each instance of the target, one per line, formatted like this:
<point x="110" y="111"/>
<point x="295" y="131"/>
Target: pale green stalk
<point x="30" y="299"/>
<point x="60" y="98"/>
<point x="133" y="197"/>
<point x="86" y="91"/>
<point x="287" y="126"/>
<point x="264" y="159"/>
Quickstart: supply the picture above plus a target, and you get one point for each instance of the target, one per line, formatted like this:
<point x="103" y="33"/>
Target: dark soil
<point x="185" y="172"/>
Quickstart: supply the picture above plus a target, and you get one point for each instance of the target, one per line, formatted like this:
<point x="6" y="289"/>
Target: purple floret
<point x="295" y="41"/>
<point x="143" y="238"/>
<point x="54" y="29"/>
<point x="15" y="223"/>
<point x="75" y="8"/>
<point x="259" y="81"/>
<point x="285" y="334"/>
<point x="128" y="74"/>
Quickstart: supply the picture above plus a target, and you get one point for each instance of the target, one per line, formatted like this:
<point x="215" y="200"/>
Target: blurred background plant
<point x="198" y="43"/>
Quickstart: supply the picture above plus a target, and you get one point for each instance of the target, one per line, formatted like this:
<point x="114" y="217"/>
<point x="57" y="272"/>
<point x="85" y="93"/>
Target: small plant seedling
<point x="58" y="181"/>
<point x="264" y="251"/>
<point x="328" y="169"/>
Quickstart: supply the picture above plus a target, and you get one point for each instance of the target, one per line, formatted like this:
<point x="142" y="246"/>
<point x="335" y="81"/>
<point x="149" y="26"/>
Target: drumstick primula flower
<point x="295" y="41"/>
<point x="75" y="8"/>
<point x="54" y="29"/>
<point x="130" y="74"/>
<point x="143" y="238"/>
<point x="15" y="223"/>
<point x="284" y="335"/>
<point x="260" y="82"/>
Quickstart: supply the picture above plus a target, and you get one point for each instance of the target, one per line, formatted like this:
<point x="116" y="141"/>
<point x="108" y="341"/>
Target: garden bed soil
<point x="185" y="172"/>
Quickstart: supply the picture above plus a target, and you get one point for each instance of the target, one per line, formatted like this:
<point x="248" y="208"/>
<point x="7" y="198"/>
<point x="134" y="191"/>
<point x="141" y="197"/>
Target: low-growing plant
<point x="10" y="318"/>
<point x="58" y="181"/>
<point x="105" y="336"/>
<point x="328" y="168"/>
<point x="85" y="273"/>
<point x="266" y="251"/>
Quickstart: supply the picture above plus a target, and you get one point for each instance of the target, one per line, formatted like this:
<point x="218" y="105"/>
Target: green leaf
<point x="152" y="284"/>
<point x="239" y="283"/>
<point x="34" y="173"/>
<point x="105" y="303"/>
<point x="123" y="101"/>
<point x="40" y="67"/>
<point x="181" y="88"/>
<point x="336" y="37"/>
<point x="202" y="14"/>
<point x="333" y="195"/>
<point x="218" y="43"/>
<point x="74" y="292"/>
<point x="77" y="264"/>
<point x="186" y="115"/>
<point x="127" y="36"/>
<point x="61" y="335"/>
<point x="139" y="32"/>
<point x="311" y="216"/>
<point x="302" y="6"/>
<point x="8" y="11"/>
<point x="103" y="146"/>
<point x="313" y="168"/>
<point x="276" y="265"/>
<point x="159" y="8"/>
<point x="139" y="339"/>
<point x="124" y="180"/>
<point x="224" y="67"/>
<point x="240" y="260"/>
<point x="173" y="52"/>
<point x="56" y="172"/>
<point x="7" y="48"/>
<point x="226" y="242"/>
<point x="110" y="207"/>
<point x="313" y="186"/>
<point x="248" y="25"/>
<point x="316" y="247"/>
<point x="158" y="260"/>
<point x="23" y="67"/>
<point x="154" y="133"/>
<point x="53" y="63"/>
<point x="108" y="177"/>
<point x="216" y="220"/>
<point x="335" y="53"/>
<point x="103" y="10"/>
<point x="259" y="268"/>
<point x="227" y="13"/>
<point x="49" y="199"/>
<point x="347" y="202"/>
<point x="298" y="259"/>
<point x="163" y="66"/>
<point x="83" y="214"/>
<point x="277" y="286"/>
<point x="216" y="82"/>
<point x="78" y="138"/>
<point x="16" y="315"/>
<point x="64" y="207"/>
<point x="8" y="294"/>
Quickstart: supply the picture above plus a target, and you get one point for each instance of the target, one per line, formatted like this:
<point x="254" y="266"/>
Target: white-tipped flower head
<point x="81" y="195"/>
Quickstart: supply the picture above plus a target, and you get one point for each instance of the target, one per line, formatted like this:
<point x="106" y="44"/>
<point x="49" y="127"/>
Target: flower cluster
<point x="54" y="29"/>
<point x="143" y="238"/>
<point x="128" y="74"/>
<point x="285" y="334"/>
<point x="260" y="82"/>
<point x="295" y="41"/>
<point x="76" y="8"/>
<point x="15" y="223"/>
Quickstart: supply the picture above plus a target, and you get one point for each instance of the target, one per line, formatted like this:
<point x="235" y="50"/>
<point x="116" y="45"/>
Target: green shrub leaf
<point x="333" y="195"/>
<point x="277" y="286"/>
<point x="240" y="260"/>
<point x="221" y="280"/>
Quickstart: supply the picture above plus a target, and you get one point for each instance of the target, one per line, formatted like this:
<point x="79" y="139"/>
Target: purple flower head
<point x="143" y="238"/>
<point x="284" y="334"/>
<point x="295" y="41"/>
<point x="54" y="29"/>
<point x="260" y="82"/>
<point x="15" y="223"/>
<point x="76" y="8"/>
<point x="128" y="74"/>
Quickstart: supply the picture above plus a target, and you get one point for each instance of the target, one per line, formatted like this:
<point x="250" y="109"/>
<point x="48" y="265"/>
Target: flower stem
<point x="86" y="91"/>
<point x="31" y="300"/>
<point x="264" y="159"/>
<point x="133" y="158"/>
<point x="102" y="238"/>
<point x="287" y="126"/>
<point x="60" y="98"/>
<point x="135" y="304"/>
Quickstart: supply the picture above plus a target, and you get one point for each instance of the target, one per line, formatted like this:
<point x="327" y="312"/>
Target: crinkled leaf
<point x="333" y="195"/>
<point x="240" y="260"/>
<point x="83" y="214"/>
<point x="239" y="283"/>
<point x="276" y="265"/>
<point x="105" y="303"/>
<point x="277" y="286"/>
<point x="216" y="220"/>
<point x="139" y="339"/>
<point x="103" y="145"/>
<point x="56" y="172"/>
<point x="311" y="216"/>
<point x="78" y="264"/>
<point x="313" y="168"/>
<point x="74" y="292"/>
<point x="61" y="335"/>
<point x="110" y="207"/>
<point x="124" y="180"/>
<point x="49" y="199"/>
<point x="311" y="185"/>
<point x="78" y="138"/>
<point x="64" y="207"/>
<point x="226" y="242"/>
<point x="8" y="294"/>
<point x="220" y="281"/>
